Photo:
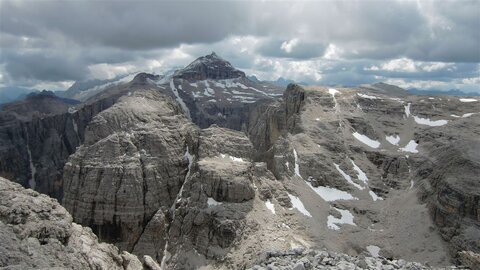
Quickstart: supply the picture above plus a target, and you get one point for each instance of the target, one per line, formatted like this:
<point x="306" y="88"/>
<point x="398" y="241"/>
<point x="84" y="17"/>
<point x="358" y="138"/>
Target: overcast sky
<point x="422" y="44"/>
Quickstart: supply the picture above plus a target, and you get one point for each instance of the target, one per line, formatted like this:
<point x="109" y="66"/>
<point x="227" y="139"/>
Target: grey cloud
<point x="65" y="37"/>
<point x="38" y="66"/>
<point x="125" y="24"/>
<point x="301" y="50"/>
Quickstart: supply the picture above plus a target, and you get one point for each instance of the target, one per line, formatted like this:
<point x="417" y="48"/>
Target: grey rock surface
<point x="131" y="164"/>
<point x="34" y="152"/>
<point x="37" y="232"/>
<point x="314" y="259"/>
<point x="310" y="137"/>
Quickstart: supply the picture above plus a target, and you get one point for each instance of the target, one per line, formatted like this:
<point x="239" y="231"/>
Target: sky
<point x="413" y="44"/>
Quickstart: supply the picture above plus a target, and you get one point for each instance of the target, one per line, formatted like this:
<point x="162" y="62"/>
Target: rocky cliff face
<point x="36" y="232"/>
<point x="33" y="153"/>
<point x="448" y="182"/>
<point x="131" y="164"/>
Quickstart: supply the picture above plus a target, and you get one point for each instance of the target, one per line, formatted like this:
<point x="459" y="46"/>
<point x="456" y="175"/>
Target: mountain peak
<point x="210" y="66"/>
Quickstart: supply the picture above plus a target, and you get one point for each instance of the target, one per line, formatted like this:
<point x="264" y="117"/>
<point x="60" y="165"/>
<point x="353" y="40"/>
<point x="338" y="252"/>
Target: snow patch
<point x="407" y="109"/>
<point x="332" y="92"/>
<point x="410" y="147"/>
<point x="234" y="159"/>
<point x="347" y="177"/>
<point x="361" y="175"/>
<point x="331" y="194"/>
<point x="366" y="140"/>
<point x="179" y="99"/>
<point x="270" y="206"/>
<point x="428" y="122"/>
<point x="212" y="202"/>
<point x="208" y="91"/>
<point x="393" y="139"/>
<point x="374" y="196"/>
<point x="367" y="96"/>
<point x="467" y="100"/>
<point x="297" y="204"/>
<point x="346" y="218"/>
<point x="297" y="167"/>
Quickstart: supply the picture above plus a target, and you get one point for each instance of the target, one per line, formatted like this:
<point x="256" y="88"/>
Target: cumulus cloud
<point x="325" y="42"/>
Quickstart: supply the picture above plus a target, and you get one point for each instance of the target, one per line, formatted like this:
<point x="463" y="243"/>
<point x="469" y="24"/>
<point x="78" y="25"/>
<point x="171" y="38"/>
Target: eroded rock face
<point x="210" y="211"/>
<point x="131" y="165"/>
<point x="37" y="232"/>
<point x="34" y="152"/>
<point x="450" y="186"/>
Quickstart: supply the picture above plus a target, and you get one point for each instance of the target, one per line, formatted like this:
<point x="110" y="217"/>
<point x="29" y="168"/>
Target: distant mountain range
<point x="282" y="82"/>
<point x="38" y="104"/>
<point x="452" y="92"/>
<point x="13" y="93"/>
<point x="82" y="90"/>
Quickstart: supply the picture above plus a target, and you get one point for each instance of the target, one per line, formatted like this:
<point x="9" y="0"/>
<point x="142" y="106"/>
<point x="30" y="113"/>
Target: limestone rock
<point x="37" y="232"/>
<point x="131" y="164"/>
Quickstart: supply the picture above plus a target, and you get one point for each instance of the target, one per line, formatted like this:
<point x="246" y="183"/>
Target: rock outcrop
<point x="37" y="232"/>
<point x="33" y="153"/>
<point x="449" y="184"/>
<point x="131" y="164"/>
<point x="300" y="259"/>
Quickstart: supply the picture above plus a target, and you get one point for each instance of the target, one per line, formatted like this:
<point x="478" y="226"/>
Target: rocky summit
<point x="204" y="168"/>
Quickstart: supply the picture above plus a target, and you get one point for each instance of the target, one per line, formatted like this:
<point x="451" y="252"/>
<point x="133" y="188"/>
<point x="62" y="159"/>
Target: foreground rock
<point x="36" y="232"/>
<point x="298" y="259"/>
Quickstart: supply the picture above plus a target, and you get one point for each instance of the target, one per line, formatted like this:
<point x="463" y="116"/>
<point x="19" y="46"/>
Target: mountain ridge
<point x="230" y="169"/>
